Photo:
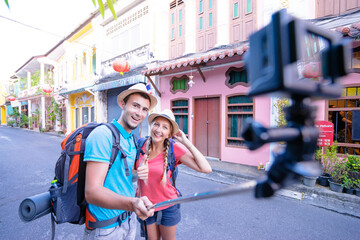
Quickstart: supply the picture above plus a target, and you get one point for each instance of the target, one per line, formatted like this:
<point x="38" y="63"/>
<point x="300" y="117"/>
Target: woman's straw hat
<point x="169" y="115"/>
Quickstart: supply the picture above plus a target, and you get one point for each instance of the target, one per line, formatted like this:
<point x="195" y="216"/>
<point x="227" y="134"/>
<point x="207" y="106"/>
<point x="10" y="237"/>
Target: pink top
<point x="154" y="189"/>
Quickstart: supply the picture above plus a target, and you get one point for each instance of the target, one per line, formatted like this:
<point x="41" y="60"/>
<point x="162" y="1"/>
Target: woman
<point x="154" y="179"/>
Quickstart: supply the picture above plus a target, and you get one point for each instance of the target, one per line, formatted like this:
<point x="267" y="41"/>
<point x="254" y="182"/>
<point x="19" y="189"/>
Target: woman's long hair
<point x="148" y="149"/>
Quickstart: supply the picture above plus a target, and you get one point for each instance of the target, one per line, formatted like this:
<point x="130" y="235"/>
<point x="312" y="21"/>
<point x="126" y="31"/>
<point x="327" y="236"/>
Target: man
<point x="111" y="194"/>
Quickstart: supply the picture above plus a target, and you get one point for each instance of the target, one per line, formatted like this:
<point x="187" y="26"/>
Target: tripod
<point x="300" y="136"/>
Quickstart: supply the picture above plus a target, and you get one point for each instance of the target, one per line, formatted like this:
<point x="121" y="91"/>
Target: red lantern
<point x="121" y="66"/>
<point x="11" y="98"/>
<point x="312" y="70"/>
<point x="47" y="89"/>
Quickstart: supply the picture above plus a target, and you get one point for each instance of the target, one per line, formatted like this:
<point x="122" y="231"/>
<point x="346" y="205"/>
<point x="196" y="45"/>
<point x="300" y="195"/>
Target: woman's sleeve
<point x="179" y="151"/>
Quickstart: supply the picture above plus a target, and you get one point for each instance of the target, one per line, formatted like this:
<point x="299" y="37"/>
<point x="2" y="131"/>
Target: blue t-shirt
<point x="98" y="148"/>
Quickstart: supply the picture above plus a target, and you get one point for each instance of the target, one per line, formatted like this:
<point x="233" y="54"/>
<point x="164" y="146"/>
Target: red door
<point x="207" y="126"/>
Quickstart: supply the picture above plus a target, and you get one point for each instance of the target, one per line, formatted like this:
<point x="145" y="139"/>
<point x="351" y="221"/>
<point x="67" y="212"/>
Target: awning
<point x="198" y="60"/>
<point x="71" y="91"/>
<point x="120" y="82"/>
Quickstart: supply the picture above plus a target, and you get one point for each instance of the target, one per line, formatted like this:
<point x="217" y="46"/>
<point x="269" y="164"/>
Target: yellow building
<point x="79" y="68"/>
<point x="2" y="104"/>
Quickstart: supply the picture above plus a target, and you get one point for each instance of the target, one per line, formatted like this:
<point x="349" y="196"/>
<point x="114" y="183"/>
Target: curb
<point x="317" y="196"/>
<point x="36" y="132"/>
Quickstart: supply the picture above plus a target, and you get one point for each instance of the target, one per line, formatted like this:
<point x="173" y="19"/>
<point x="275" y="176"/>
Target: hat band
<point x="166" y="116"/>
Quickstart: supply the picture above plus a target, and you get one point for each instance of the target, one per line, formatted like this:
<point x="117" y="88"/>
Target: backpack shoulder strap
<point x="171" y="156"/>
<point x="142" y="141"/>
<point x="116" y="147"/>
<point x="171" y="166"/>
<point x="140" y="144"/>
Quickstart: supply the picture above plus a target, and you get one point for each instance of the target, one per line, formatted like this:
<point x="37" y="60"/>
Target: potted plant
<point x="357" y="187"/>
<point x="326" y="159"/>
<point x="309" y="181"/>
<point x="338" y="174"/>
<point x="349" y="185"/>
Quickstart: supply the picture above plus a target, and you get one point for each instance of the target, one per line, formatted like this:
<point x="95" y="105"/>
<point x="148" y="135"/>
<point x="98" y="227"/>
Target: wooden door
<point x="207" y="126"/>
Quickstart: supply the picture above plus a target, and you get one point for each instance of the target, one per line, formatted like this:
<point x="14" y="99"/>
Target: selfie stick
<point x="220" y="192"/>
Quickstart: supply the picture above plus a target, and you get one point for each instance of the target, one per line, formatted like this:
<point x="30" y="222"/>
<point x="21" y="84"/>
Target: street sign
<point x="326" y="133"/>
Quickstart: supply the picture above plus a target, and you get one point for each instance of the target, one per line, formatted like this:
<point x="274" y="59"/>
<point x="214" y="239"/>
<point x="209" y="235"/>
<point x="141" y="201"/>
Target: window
<point x="206" y="21"/>
<point x="92" y="114"/>
<point x="177" y="29"/>
<point x="242" y="18"/>
<point x="77" y="117"/>
<point x="84" y="64"/>
<point x="239" y="108"/>
<point x="312" y="44"/>
<point x="340" y="113"/>
<point x="179" y="84"/>
<point x="94" y="61"/>
<point x="355" y="60"/>
<point x="180" y="109"/>
<point x="75" y="67"/>
<point x="248" y="6"/>
<point x="236" y="10"/>
<point x="85" y="115"/>
<point x="236" y="76"/>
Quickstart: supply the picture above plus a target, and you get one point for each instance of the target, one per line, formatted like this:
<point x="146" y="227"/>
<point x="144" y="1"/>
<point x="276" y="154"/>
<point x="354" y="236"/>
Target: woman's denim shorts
<point x="167" y="217"/>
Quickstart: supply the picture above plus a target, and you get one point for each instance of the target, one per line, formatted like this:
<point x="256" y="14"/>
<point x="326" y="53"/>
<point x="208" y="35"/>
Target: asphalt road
<point x="27" y="161"/>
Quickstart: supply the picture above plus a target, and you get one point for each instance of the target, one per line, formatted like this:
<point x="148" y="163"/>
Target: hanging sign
<point x="326" y="133"/>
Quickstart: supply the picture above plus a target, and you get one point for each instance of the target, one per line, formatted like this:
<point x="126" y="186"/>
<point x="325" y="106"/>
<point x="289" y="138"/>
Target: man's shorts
<point x="167" y="217"/>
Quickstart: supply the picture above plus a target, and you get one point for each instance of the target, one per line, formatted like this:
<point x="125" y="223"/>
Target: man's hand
<point x="140" y="208"/>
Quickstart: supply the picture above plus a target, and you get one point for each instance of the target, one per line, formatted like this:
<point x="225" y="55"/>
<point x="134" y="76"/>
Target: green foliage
<point x="35" y="117"/>
<point x="353" y="163"/>
<point x="11" y="123"/>
<point x="318" y="154"/>
<point x="48" y="78"/>
<point x="339" y="170"/>
<point x="357" y="183"/>
<point x="110" y="4"/>
<point x="328" y="158"/>
<point x="349" y="182"/>
<point x="35" y="78"/>
<point x="15" y="113"/>
<point x="40" y="92"/>
<point x="24" y="120"/>
<point x="280" y="104"/>
<point x="23" y="83"/>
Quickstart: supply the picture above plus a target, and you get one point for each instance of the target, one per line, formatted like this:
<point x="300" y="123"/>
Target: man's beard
<point x="129" y="126"/>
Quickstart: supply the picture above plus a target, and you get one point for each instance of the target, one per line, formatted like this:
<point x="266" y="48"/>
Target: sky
<point x="55" y="18"/>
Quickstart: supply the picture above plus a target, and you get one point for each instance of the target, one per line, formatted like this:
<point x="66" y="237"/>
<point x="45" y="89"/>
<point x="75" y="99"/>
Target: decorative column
<point x="68" y="117"/>
<point x="42" y="80"/>
<point x="28" y="79"/>
<point x="29" y="101"/>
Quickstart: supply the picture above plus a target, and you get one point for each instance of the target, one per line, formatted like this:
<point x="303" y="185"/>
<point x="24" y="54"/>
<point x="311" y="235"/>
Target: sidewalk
<point x="318" y="196"/>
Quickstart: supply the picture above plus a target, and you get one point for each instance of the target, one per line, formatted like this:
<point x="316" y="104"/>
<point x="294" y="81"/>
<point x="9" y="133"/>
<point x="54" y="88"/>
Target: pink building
<point x="207" y="89"/>
<point x="212" y="111"/>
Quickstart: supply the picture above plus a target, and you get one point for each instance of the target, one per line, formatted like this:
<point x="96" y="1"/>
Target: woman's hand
<point x="143" y="169"/>
<point x="181" y="137"/>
